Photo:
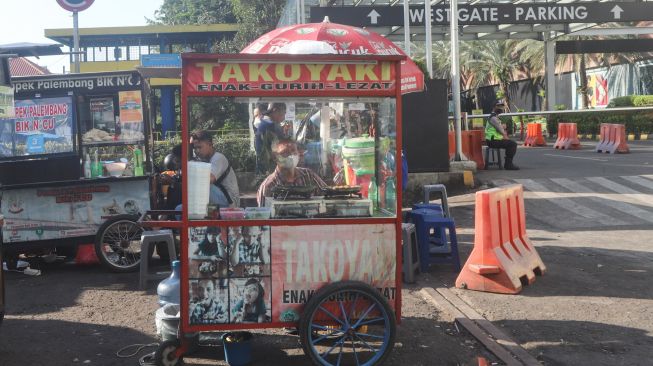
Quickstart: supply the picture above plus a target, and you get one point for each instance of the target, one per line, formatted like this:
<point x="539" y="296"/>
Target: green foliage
<point x="176" y="12"/>
<point x="235" y="148"/>
<point x="636" y="122"/>
<point x="237" y="151"/>
<point x="255" y="18"/>
<point x="631" y="101"/>
<point x="217" y="113"/>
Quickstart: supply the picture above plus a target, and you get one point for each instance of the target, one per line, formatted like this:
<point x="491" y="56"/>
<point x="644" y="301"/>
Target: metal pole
<point x="550" y="71"/>
<point x="406" y="28"/>
<point x="455" y="77"/>
<point x="75" y="43"/>
<point x="429" y="43"/>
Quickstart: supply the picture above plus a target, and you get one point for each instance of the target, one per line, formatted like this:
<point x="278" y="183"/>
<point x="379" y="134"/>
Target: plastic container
<point x="373" y="195"/>
<point x="229" y="213"/>
<point x="390" y="195"/>
<point x="168" y="289"/>
<point x="237" y="348"/>
<point x="167" y="320"/>
<point x="199" y="187"/>
<point x="257" y="213"/>
<point x="138" y="163"/>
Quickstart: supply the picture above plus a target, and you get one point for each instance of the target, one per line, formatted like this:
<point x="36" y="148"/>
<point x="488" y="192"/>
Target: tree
<point x="492" y="61"/>
<point x="176" y="12"/>
<point x="255" y="18"/>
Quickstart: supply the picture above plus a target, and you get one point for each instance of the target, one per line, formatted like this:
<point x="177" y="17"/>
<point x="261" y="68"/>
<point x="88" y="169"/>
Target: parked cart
<point x="75" y="166"/>
<point x="319" y="247"/>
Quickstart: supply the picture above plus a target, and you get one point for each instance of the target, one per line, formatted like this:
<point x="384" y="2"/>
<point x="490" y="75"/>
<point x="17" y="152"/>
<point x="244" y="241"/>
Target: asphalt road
<point x="589" y="215"/>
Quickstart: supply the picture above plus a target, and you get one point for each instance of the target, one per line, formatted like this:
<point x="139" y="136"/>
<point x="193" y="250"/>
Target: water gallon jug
<point x="168" y="289"/>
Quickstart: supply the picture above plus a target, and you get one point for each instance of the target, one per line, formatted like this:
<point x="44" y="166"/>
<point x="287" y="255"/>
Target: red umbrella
<point x="328" y="37"/>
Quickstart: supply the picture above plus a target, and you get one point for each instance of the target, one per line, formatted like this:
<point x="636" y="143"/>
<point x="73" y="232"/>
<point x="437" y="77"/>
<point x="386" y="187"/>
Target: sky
<point x="26" y="21"/>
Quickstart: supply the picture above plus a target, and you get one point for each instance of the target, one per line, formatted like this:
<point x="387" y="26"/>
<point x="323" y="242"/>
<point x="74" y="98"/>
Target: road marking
<point x="575" y="157"/>
<point x="628" y="193"/>
<point x="640" y="181"/>
<point x="541" y="191"/>
<point x="605" y="199"/>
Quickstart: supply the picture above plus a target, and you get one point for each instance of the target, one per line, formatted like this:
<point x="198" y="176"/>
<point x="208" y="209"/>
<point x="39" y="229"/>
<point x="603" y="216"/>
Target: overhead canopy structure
<point x="142" y="35"/>
<point x="31" y="49"/>
<point x="481" y="19"/>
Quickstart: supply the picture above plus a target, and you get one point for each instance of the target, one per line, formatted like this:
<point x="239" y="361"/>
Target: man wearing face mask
<point x="287" y="173"/>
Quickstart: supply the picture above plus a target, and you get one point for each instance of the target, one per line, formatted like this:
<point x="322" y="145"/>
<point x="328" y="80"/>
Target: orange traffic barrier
<point x="86" y="254"/>
<point x="613" y="139"/>
<point x="503" y="258"/>
<point x="534" y="135"/>
<point x="472" y="146"/>
<point x="567" y="137"/>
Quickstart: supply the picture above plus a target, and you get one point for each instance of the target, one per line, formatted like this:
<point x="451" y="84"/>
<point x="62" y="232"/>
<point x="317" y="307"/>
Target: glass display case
<point x="112" y="135"/>
<point x="315" y="157"/>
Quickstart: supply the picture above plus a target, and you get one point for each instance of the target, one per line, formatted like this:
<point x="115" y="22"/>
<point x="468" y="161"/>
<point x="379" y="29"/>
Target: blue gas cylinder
<point x="168" y="289"/>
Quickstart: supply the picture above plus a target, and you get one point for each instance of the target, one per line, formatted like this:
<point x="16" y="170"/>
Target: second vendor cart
<point x="75" y="165"/>
<point x="320" y="246"/>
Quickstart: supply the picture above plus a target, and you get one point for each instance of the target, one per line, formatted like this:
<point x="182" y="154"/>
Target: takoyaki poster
<point x="305" y="258"/>
<point x="229" y="275"/>
<point x="69" y="211"/>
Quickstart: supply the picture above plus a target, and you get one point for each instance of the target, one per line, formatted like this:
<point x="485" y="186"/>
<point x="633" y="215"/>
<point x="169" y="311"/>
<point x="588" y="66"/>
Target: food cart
<point x="75" y="165"/>
<point x="322" y="256"/>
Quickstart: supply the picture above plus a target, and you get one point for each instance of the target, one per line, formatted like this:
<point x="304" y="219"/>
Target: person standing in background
<point x="224" y="184"/>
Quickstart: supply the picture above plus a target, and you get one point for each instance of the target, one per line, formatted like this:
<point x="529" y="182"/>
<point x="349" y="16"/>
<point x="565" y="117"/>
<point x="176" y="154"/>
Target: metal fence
<point x="176" y="135"/>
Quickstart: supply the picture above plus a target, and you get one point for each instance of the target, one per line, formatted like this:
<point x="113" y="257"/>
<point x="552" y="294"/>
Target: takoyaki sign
<point x="207" y="77"/>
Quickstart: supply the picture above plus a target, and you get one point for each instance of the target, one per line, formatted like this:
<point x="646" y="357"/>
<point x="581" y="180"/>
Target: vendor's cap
<point x="275" y="106"/>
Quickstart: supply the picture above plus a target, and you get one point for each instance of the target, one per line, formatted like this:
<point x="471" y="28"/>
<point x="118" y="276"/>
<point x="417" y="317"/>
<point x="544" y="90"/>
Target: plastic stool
<point x="493" y="157"/>
<point x="410" y="250"/>
<point x="149" y="239"/>
<point x="435" y="245"/>
<point x="443" y="207"/>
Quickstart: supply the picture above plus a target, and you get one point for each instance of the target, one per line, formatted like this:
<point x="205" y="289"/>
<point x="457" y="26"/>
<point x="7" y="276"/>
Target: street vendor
<point x="224" y="184"/>
<point x="269" y="130"/>
<point x="287" y="173"/>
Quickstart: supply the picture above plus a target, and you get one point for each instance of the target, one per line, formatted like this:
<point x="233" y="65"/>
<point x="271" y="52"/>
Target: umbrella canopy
<point x="326" y="37"/>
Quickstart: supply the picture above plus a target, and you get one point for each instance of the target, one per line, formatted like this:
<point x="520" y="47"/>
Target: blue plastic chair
<point x="436" y="236"/>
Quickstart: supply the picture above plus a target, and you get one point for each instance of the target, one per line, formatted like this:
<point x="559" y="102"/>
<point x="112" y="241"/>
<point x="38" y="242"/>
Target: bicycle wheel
<point x="347" y="323"/>
<point x="118" y="244"/>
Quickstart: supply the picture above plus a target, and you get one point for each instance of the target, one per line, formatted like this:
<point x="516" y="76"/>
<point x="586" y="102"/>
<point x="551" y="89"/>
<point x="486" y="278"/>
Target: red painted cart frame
<point x="241" y="75"/>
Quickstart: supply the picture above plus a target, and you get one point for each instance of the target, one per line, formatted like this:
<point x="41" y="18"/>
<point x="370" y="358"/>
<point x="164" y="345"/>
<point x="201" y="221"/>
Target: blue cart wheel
<point x="347" y="323"/>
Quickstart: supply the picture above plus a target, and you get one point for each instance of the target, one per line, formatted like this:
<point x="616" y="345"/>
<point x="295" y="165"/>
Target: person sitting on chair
<point x="497" y="138"/>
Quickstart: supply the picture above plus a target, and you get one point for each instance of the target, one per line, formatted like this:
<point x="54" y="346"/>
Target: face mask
<point x="289" y="162"/>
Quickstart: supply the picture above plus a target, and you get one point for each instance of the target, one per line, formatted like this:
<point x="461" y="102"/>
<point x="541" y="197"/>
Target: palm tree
<point x="492" y="61"/>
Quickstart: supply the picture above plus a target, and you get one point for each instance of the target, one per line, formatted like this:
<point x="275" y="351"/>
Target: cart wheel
<point x="118" y="244"/>
<point x="347" y="323"/>
<point x="165" y="355"/>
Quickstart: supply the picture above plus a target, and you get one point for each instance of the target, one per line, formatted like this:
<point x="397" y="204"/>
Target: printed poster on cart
<point x="69" y="211"/>
<point x="39" y="126"/>
<point x="260" y="274"/>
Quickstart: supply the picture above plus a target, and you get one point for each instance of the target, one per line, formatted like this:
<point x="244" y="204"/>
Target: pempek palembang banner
<point x="207" y="76"/>
<point x="39" y="126"/>
<point x="68" y="211"/>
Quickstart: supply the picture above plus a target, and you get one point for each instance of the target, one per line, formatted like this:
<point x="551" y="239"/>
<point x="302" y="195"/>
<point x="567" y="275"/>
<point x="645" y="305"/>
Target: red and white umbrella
<point x="335" y="38"/>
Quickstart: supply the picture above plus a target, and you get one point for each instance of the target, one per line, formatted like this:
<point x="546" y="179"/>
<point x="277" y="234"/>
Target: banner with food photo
<point x="131" y="115"/>
<point x="39" y="126"/>
<point x="68" y="211"/>
<point x="307" y="258"/>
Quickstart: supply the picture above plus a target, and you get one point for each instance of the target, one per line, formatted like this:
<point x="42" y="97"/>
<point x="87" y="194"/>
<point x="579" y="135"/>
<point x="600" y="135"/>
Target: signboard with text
<point x="272" y="78"/>
<point x="487" y="14"/>
<point x="81" y="82"/>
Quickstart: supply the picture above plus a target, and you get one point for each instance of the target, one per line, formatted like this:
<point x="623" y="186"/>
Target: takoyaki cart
<point x="319" y="251"/>
<point x="75" y="166"/>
